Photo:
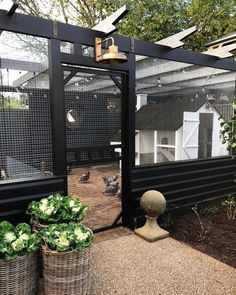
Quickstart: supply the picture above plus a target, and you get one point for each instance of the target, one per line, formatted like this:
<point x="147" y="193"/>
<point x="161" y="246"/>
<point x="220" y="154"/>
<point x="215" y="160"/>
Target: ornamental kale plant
<point x="17" y="240"/>
<point x="67" y="237"/>
<point x="57" y="208"/>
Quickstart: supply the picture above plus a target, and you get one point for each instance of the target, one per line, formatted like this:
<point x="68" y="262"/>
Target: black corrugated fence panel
<point x="15" y="196"/>
<point x="184" y="183"/>
<point x="163" y="169"/>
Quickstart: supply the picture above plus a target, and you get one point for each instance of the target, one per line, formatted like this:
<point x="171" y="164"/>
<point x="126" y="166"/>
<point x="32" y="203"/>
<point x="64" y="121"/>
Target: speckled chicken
<point x="109" y="180"/>
<point x="85" y="177"/>
<point x="112" y="188"/>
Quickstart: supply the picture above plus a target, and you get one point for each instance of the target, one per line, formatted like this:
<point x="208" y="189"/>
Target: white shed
<point x="177" y="129"/>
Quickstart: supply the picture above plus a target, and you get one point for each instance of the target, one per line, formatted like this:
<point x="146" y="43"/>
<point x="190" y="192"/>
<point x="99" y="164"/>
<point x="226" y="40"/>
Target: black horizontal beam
<point x="94" y="147"/>
<point x="182" y="55"/>
<point x="77" y="59"/>
<point x="93" y="161"/>
<point x="31" y="25"/>
<point x="35" y="26"/>
<point x="26" y="24"/>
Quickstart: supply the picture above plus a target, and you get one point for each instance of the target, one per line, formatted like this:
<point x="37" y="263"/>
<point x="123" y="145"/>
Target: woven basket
<point x="36" y="225"/>
<point x="66" y="273"/>
<point x="19" y="276"/>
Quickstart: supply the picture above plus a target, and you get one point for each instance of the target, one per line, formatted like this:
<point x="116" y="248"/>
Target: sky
<point x="5" y="4"/>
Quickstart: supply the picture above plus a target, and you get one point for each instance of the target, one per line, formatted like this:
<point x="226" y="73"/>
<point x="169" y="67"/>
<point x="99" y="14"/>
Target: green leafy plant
<point x="228" y="131"/>
<point x="230" y="204"/>
<point x="67" y="237"/>
<point x="57" y="208"/>
<point x="17" y="240"/>
<point x="210" y="210"/>
<point x="167" y="221"/>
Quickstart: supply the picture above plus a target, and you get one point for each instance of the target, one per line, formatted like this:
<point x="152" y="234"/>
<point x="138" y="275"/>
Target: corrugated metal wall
<point x="17" y="195"/>
<point x="183" y="183"/>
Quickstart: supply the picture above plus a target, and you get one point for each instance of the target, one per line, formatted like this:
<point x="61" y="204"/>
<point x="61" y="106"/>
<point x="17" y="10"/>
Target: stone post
<point x="154" y="204"/>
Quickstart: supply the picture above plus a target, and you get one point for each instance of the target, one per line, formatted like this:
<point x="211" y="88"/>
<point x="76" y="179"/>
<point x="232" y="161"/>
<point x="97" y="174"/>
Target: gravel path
<point x="129" y="265"/>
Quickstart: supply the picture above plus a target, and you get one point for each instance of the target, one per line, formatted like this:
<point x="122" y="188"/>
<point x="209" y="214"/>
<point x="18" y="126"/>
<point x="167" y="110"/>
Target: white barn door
<point x="190" y="135"/>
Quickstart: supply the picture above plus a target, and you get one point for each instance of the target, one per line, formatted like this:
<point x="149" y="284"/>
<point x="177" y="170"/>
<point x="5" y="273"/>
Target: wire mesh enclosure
<point x="94" y="151"/>
<point x="179" y="110"/>
<point x="175" y="96"/>
<point x="25" y="118"/>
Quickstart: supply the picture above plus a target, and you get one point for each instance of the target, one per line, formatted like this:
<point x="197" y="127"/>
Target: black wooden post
<point x="57" y="108"/>
<point x="128" y="138"/>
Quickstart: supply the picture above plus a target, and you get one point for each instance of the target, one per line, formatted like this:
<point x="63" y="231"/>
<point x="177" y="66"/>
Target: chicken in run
<point x="85" y="177"/>
<point x="108" y="180"/>
<point x="112" y="188"/>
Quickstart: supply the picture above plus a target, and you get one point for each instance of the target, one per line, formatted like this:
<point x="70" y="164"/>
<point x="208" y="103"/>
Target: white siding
<point x="218" y="149"/>
<point x="178" y="143"/>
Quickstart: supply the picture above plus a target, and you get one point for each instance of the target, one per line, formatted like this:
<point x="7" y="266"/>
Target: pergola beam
<point x="107" y="25"/>
<point x="22" y="65"/>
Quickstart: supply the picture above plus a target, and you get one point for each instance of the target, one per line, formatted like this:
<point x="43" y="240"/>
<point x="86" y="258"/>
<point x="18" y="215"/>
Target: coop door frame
<point x="121" y="85"/>
<point x="190" y="135"/>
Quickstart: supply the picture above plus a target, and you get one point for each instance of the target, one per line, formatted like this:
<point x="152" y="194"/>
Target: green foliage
<point x="57" y="208"/>
<point x="228" y="131"/>
<point x="149" y="20"/>
<point x="17" y="240"/>
<point x="67" y="237"/>
<point x="230" y="204"/>
<point x="13" y="102"/>
<point x="214" y="18"/>
<point x="167" y="221"/>
<point x="209" y="210"/>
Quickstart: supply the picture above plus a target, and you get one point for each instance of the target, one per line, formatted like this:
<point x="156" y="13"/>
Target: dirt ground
<point x="103" y="209"/>
<point x="217" y="239"/>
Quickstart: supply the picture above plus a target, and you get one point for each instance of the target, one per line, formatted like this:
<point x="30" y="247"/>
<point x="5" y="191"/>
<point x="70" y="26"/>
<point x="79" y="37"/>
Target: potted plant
<point x="66" y="255"/>
<point x="18" y="259"/>
<point x="55" y="209"/>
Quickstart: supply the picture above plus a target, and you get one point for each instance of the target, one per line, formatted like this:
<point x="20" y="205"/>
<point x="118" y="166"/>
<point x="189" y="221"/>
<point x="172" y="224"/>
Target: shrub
<point x="230" y="204"/>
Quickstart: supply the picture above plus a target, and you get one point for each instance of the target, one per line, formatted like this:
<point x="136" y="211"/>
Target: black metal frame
<point x="56" y="32"/>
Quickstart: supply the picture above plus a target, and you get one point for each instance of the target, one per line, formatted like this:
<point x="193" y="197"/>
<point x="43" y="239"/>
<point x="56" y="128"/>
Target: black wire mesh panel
<point x="93" y="118"/>
<point x="179" y="110"/>
<point x="94" y="152"/>
<point x="25" y="123"/>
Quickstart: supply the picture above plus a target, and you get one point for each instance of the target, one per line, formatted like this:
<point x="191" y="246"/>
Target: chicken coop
<point x="108" y="132"/>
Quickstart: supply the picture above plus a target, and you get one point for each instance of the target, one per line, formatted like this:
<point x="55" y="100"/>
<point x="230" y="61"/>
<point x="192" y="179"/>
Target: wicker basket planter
<point x="36" y="225"/>
<point x="66" y="273"/>
<point x="19" y="276"/>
